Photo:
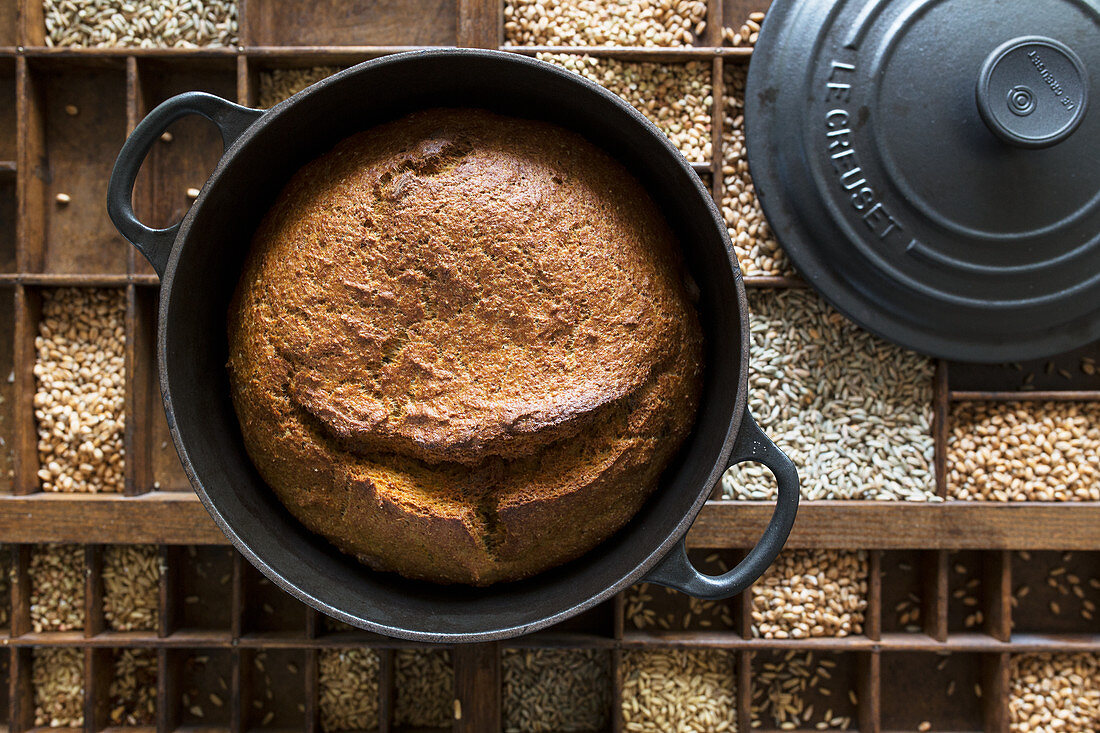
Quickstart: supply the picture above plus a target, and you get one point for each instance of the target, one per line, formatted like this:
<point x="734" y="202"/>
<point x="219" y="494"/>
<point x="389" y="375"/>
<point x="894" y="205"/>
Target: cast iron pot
<point x="199" y="261"/>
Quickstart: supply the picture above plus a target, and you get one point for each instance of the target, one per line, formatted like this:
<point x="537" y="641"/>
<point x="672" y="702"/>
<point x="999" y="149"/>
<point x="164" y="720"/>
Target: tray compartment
<point x="273" y="689"/>
<point x="556" y="689"/>
<point x="582" y="23"/>
<point x="268" y="611"/>
<point x="1055" y="592"/>
<point x="8" y="421"/>
<point x="200" y="583"/>
<point x="72" y="155"/>
<point x="947" y="700"/>
<point x="348" y="689"/>
<point x="199" y="688"/>
<point x="336" y="23"/>
<point x="8" y="117"/>
<point x="664" y="689"/>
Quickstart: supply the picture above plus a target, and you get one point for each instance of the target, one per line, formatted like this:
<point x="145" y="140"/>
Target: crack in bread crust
<point x="461" y="348"/>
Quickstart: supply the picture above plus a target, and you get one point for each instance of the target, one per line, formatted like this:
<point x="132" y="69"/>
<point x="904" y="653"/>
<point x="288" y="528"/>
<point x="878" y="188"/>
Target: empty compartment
<point x="655" y="607"/>
<point x="338" y="23"/>
<point x="905" y="590"/>
<point x="804" y="690"/>
<point x="198" y="688"/>
<point x="678" y="689"/>
<point x="79" y="401"/>
<point x="180" y="162"/>
<point x="131" y="587"/>
<point x="7" y="100"/>
<point x="947" y="690"/>
<point x="1074" y="370"/>
<point x="852" y="411"/>
<point x="348" y="689"/>
<point x="5" y="593"/>
<point x="556" y="690"/>
<point x="57" y="674"/>
<point x="7" y="220"/>
<point x="677" y="97"/>
<point x="200" y="585"/>
<point x="5" y="687"/>
<point x="586" y="23"/>
<point x="7" y="389"/>
<point x="8" y="23"/>
<point x="131" y="687"/>
<point x="1055" y="592"/>
<point x="75" y="128"/>
<point x="56" y="574"/>
<point x="741" y="21"/>
<point x="966" y="585"/>
<point x="273" y="689"/>
<point x="268" y="609"/>
<point x="424" y="689"/>
<point x="598" y="621"/>
<point x="156" y="463"/>
<point x="810" y="593"/>
<point x="1024" y="451"/>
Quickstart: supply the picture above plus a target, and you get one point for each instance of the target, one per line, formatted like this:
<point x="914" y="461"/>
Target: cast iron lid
<point x="932" y="167"/>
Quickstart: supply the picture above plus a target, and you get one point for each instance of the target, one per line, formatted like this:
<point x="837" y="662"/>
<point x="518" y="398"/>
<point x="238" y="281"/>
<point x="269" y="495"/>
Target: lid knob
<point x="1032" y="92"/>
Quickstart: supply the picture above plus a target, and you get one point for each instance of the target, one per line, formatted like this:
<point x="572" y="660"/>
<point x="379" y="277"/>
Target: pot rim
<point x="668" y="543"/>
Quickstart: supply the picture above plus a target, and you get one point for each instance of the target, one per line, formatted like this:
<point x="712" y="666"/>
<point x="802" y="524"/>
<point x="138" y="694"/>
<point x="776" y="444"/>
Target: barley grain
<point x="140" y="23"/>
<point x="58" y="678"/>
<point x="131" y="587"/>
<point x="57" y="588"/>
<point x="853" y="412"/>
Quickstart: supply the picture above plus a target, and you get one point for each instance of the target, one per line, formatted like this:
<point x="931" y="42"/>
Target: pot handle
<point x="676" y="570"/>
<point x="156" y="244"/>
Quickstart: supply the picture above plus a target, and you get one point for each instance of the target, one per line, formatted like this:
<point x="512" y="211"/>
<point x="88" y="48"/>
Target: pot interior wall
<point x="209" y="256"/>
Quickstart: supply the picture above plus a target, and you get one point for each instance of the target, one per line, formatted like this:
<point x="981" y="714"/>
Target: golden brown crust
<point x="461" y="348"/>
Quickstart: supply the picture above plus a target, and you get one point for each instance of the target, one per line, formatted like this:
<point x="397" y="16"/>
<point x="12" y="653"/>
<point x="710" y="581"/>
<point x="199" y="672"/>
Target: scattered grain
<point x="79" y="374"/>
<point x="597" y="23"/>
<point x="853" y="412"/>
<point x="555" y="690"/>
<point x="747" y="34"/>
<point x="1024" y="451"/>
<point x="63" y="198"/>
<point x="675" y="96"/>
<point x="689" y="691"/>
<point x="193" y="193"/>
<point x="781" y="688"/>
<point x="133" y="689"/>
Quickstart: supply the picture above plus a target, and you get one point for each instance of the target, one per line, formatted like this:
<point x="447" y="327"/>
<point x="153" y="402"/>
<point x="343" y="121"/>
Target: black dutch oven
<point x="199" y="261"/>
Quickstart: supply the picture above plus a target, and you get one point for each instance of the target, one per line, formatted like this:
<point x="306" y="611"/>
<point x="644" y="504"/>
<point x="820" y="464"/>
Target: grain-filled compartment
<point x="1054" y="692"/>
<point x="7" y="390"/>
<point x="852" y="411"/>
<point x="271" y="81"/>
<point x="273" y="689"/>
<point x="596" y="23"/>
<point x="556" y="690"/>
<point x="125" y="687"/>
<point x="56" y="574"/>
<point x="677" y="97"/>
<point x="131" y="583"/>
<point x="1055" y="592"/>
<point x="424" y="690"/>
<point x="1024" y="451"/>
<point x="198" y="683"/>
<point x="348" y="689"/>
<point x="339" y="23"/>
<point x="57" y="679"/>
<point x="80" y="383"/>
<point x="807" y="690"/>
<point x="75" y="127"/>
<point x="677" y="689"/>
<point x="932" y="692"/>
<point x="134" y="23"/>
<point x="183" y="158"/>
